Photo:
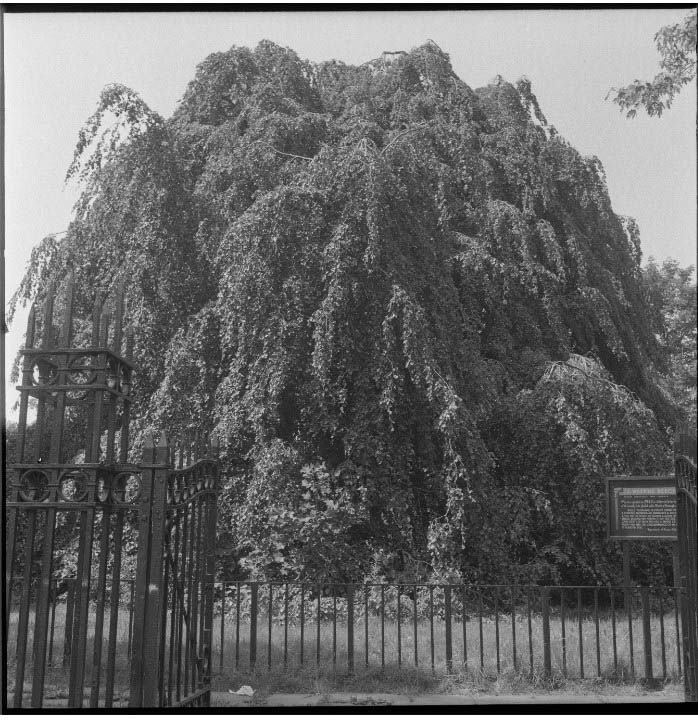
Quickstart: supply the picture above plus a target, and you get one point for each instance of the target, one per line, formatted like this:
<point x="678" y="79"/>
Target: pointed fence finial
<point x="118" y="316"/>
<point x="129" y="343"/>
<point x="67" y="325"/>
<point x="47" y="329"/>
<point x="96" y="312"/>
<point x="104" y="328"/>
<point x="180" y="448"/>
<point x="148" y="447"/>
<point x="161" y="449"/>
<point x="31" y="327"/>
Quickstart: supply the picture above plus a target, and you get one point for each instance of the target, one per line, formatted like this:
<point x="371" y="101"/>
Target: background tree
<point x="348" y="273"/>
<point x="676" y="45"/>
<point x="671" y="292"/>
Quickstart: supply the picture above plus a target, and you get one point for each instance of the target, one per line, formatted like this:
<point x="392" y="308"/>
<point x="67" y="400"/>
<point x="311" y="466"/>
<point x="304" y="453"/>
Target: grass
<point x="393" y="669"/>
<point x="390" y="669"/>
<point x="56" y="678"/>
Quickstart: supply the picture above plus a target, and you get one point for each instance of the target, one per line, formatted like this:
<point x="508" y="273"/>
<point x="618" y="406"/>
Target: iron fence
<point x="616" y="633"/>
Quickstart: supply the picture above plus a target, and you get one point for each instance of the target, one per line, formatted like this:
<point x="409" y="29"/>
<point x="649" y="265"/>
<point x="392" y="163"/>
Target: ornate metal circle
<point x="103" y="488"/>
<point x="72" y="486"/>
<point x="34" y="486"/>
<point x="124" y="380"/>
<point x="44" y="373"/>
<point x="80" y="372"/>
<point x="126" y="488"/>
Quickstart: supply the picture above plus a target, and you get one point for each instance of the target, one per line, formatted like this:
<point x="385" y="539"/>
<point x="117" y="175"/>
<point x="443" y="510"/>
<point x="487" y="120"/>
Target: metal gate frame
<point x="173" y="620"/>
<point x="685" y="468"/>
<point x="98" y="493"/>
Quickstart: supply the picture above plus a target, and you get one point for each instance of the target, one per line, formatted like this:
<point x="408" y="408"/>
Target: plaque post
<point x="626" y="574"/>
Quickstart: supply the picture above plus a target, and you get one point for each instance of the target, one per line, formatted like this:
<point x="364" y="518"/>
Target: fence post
<point x="68" y="630"/>
<point x="646" y="632"/>
<point x="210" y="576"/>
<point x="141" y="582"/>
<point x="350" y="628"/>
<point x="154" y="619"/>
<point x="545" y="602"/>
<point x="147" y="617"/>
<point x="253" y="626"/>
<point x="447" y="611"/>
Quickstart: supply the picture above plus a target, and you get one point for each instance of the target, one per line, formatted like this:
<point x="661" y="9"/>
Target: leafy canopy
<point x="351" y="273"/>
<point x="676" y="45"/>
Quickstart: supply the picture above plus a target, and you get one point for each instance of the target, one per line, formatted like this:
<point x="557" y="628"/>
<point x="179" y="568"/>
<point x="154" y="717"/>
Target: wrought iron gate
<point x="77" y="508"/>
<point x="171" y="662"/>
<point x="685" y="465"/>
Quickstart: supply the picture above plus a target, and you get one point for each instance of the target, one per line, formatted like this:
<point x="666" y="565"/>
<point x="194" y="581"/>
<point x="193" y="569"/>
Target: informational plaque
<point x="641" y="508"/>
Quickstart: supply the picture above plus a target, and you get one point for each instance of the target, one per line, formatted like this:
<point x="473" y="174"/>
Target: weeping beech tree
<point x="387" y="293"/>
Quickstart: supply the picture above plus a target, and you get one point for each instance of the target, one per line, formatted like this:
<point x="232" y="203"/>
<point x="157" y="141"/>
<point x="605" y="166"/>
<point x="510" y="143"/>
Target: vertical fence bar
<point x="54" y="599"/>
<point x="253" y="626"/>
<point x="222" y="635"/>
<point x="513" y="627"/>
<point x="175" y="640"/>
<point x="447" y="613"/>
<point x="662" y="637"/>
<point x="186" y="610"/>
<point x="77" y="660"/>
<point x="613" y="629"/>
<point x="496" y="626"/>
<point x="530" y="629"/>
<point x="366" y="591"/>
<point x="68" y="629"/>
<point x="399" y="628"/>
<point x="185" y="569"/>
<point x="464" y="618"/>
<point x="383" y="626"/>
<point x="646" y="633"/>
<point x="271" y="598"/>
<point x="581" y="636"/>
<point x="545" y="611"/>
<point x="197" y="604"/>
<point x="101" y="600"/>
<point x="302" y="618"/>
<point x="629" y="610"/>
<point x="114" y="608"/>
<point x="414" y="625"/>
<point x="237" y="625"/>
<point x="23" y="620"/>
<point x="42" y="610"/>
<point x="153" y="626"/>
<point x="431" y="625"/>
<point x="131" y="608"/>
<point x="164" y="600"/>
<point x="334" y="626"/>
<point x="562" y="630"/>
<point x="479" y="618"/>
<point x="285" y="624"/>
<point x="317" y="630"/>
<point x="677" y="603"/>
<point x="350" y="628"/>
<point x="210" y="572"/>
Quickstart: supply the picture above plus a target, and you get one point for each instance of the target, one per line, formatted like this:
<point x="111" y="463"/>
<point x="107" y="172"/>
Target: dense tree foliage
<point x="387" y="292"/>
<point x="671" y="296"/>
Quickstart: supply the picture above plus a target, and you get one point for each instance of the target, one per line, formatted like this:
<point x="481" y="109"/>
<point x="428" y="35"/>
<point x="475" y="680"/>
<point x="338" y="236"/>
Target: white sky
<point x="56" y="65"/>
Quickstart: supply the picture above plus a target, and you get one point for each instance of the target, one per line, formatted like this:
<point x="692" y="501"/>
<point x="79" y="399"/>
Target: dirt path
<point x="219" y="699"/>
